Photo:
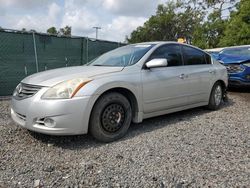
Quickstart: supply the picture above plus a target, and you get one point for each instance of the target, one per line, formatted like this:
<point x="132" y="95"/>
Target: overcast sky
<point x="117" y="18"/>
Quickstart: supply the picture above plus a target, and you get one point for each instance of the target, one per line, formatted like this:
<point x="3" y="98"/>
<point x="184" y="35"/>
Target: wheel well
<point x="222" y="84"/>
<point x="128" y="94"/>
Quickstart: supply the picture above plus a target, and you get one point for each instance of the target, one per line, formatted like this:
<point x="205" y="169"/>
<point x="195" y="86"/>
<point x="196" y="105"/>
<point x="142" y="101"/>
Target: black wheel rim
<point x="112" y="118"/>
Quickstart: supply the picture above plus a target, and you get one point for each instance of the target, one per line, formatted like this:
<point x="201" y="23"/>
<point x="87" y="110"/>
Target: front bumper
<point x="71" y="116"/>
<point x="238" y="83"/>
<point x="240" y="79"/>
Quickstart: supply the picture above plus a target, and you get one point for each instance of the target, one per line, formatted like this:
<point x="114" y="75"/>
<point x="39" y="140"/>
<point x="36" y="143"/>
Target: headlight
<point x="17" y="89"/>
<point x="247" y="64"/>
<point x="66" y="89"/>
<point x="234" y="68"/>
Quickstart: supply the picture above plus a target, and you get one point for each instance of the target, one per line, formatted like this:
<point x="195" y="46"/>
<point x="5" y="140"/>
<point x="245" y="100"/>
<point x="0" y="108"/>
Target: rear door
<point x="200" y="72"/>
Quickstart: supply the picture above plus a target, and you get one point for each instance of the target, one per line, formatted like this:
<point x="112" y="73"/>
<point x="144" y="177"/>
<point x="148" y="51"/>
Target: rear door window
<point x="194" y="56"/>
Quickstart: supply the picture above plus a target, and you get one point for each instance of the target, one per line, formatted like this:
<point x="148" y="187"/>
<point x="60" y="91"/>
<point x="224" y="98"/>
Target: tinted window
<point x="193" y="56"/>
<point x="171" y="52"/>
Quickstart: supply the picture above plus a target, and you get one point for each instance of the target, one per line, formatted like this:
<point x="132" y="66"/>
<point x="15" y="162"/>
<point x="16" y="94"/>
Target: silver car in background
<point x="125" y="85"/>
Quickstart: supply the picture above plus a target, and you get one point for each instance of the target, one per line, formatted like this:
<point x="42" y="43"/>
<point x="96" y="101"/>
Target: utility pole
<point x="96" y="31"/>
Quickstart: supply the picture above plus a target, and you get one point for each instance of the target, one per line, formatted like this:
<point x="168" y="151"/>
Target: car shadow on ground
<point x="148" y="125"/>
<point x="239" y="89"/>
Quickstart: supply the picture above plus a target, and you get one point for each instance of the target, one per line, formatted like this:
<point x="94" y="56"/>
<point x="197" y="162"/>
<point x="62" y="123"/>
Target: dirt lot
<point x="193" y="148"/>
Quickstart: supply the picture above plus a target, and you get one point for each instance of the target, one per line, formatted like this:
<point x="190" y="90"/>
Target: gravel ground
<point x="193" y="148"/>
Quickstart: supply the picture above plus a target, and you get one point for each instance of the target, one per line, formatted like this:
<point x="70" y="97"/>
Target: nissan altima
<point x="128" y="84"/>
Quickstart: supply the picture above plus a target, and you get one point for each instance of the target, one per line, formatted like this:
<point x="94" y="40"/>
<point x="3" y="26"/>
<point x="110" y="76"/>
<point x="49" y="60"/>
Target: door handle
<point x="212" y="71"/>
<point x="182" y="76"/>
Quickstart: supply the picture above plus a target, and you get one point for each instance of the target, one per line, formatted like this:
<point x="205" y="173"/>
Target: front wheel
<point x="216" y="97"/>
<point x="110" y="117"/>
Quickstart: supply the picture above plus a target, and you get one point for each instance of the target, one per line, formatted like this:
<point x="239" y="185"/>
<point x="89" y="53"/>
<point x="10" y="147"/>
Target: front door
<point x="165" y="87"/>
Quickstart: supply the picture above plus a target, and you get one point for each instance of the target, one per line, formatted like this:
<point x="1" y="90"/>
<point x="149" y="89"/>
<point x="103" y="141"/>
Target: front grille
<point x="25" y="90"/>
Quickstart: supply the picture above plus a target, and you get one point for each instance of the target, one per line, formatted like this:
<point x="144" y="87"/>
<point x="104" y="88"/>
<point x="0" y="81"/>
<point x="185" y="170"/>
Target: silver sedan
<point x="125" y="85"/>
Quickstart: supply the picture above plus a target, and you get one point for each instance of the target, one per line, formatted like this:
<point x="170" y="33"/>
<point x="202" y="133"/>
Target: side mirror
<point x="154" y="63"/>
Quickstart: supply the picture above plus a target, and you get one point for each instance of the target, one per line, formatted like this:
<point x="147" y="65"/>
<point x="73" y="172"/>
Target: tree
<point x="66" y="31"/>
<point x="237" y="31"/>
<point x="169" y="23"/>
<point x="216" y="5"/>
<point x="52" y="30"/>
<point x="188" y="19"/>
<point x="209" y="33"/>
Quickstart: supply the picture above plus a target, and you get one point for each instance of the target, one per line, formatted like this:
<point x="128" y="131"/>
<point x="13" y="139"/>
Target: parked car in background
<point x="214" y="52"/>
<point x="237" y="61"/>
<point x="127" y="84"/>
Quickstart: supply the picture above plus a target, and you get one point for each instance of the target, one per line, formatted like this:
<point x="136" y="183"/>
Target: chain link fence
<point x="25" y="53"/>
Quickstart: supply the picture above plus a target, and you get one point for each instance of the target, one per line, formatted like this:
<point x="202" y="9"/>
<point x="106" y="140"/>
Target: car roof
<point x="157" y="42"/>
<point x="166" y="42"/>
<point x="232" y="47"/>
<point x="226" y="48"/>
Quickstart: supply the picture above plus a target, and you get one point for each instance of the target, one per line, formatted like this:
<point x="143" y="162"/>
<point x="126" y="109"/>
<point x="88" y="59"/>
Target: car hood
<point x="233" y="59"/>
<point x="55" y="76"/>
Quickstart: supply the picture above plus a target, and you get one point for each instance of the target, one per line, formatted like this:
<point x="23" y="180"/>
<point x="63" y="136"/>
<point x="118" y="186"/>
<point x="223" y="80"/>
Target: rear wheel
<point x="110" y="117"/>
<point x="216" y="97"/>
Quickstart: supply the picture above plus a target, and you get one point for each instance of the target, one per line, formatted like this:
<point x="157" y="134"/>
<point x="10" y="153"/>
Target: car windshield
<point x="122" y="57"/>
<point x="237" y="51"/>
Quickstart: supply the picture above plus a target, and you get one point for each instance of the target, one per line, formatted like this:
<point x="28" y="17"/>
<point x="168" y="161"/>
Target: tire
<point x="216" y="97"/>
<point x="110" y="117"/>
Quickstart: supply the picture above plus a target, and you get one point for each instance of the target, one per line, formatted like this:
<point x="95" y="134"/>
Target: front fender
<point x="97" y="87"/>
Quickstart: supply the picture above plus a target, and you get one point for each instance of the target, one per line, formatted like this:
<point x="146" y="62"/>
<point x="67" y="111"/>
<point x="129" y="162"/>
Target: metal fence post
<point x="81" y="60"/>
<point x="87" y="49"/>
<point x="25" y="70"/>
<point x="34" y="41"/>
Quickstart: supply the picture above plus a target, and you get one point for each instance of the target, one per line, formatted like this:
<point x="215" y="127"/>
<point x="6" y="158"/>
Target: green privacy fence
<point x="25" y="53"/>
